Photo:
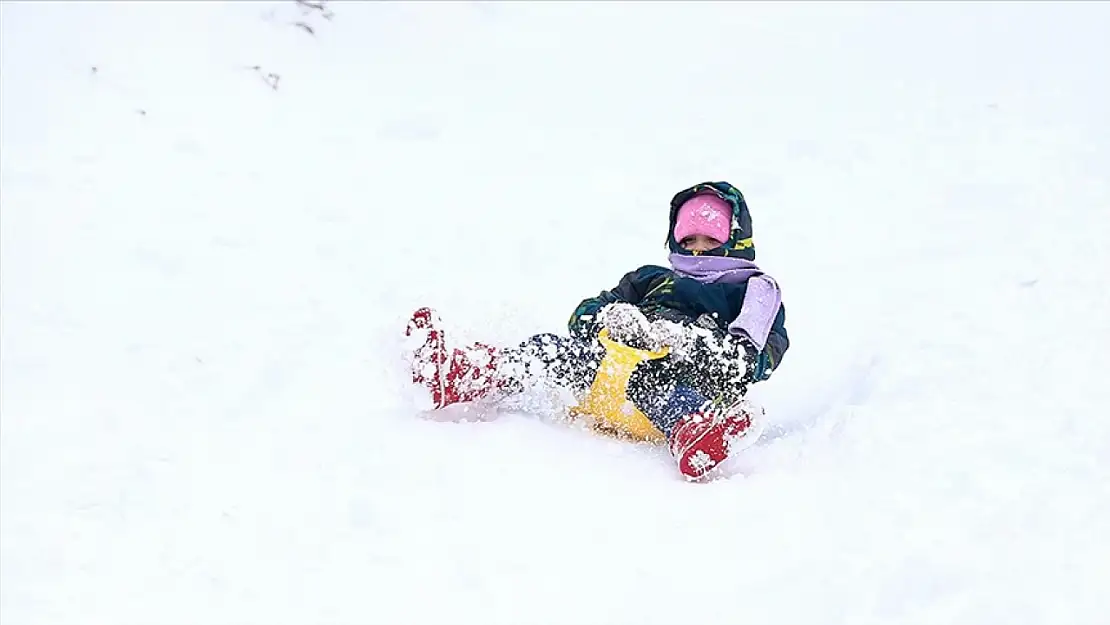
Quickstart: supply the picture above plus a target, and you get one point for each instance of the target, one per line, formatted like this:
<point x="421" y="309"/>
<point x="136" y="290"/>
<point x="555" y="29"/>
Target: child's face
<point x="699" y="243"/>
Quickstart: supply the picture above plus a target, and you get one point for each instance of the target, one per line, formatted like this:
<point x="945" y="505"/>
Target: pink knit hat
<point x="705" y="214"/>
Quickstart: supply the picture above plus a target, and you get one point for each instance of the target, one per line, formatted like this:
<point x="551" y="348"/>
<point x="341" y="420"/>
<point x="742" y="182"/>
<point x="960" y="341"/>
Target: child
<point x="721" y="317"/>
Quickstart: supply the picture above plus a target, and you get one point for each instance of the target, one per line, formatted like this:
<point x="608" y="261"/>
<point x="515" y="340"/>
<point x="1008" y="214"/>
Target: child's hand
<point x="679" y="338"/>
<point x="758" y="362"/>
<point x="626" y="324"/>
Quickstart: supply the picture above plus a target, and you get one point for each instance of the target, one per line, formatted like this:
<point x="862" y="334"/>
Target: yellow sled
<point x="607" y="402"/>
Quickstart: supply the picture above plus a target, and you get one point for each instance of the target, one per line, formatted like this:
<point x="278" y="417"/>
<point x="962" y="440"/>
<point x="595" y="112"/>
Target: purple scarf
<point x="761" y="301"/>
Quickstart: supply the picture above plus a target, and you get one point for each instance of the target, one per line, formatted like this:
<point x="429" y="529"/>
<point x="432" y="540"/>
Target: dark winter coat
<point x="662" y="293"/>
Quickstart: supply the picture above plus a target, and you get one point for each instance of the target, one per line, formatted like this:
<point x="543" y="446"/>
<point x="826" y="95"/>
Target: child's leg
<point x="662" y="391"/>
<point x="454" y="374"/>
<point x="560" y="360"/>
<point x="715" y="366"/>
<point x="695" y="403"/>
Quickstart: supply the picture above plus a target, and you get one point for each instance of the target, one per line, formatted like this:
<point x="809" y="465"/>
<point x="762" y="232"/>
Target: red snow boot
<point x="704" y="439"/>
<point x="451" y="375"/>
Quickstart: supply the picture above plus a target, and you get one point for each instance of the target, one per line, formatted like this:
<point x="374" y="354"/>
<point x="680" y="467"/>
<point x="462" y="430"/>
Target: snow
<point x="205" y="279"/>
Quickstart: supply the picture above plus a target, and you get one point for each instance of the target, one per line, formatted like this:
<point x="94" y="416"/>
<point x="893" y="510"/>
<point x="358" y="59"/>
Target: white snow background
<point x="205" y="280"/>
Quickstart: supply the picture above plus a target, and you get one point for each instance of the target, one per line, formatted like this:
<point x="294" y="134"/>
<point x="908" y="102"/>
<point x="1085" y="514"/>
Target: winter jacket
<point x="662" y="293"/>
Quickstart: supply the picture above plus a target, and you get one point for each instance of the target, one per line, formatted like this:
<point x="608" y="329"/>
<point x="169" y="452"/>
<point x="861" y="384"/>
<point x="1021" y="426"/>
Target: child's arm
<point x="777" y="344"/>
<point x="631" y="289"/>
<point x="761" y="326"/>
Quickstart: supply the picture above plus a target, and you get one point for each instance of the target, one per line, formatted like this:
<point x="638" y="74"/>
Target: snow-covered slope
<point x="204" y="279"/>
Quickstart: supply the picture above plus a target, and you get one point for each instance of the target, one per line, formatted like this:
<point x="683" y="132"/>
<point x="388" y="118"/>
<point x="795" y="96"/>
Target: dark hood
<point x="739" y="244"/>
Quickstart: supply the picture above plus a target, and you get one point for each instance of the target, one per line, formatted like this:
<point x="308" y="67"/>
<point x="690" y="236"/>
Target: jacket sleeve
<point x="632" y="288"/>
<point x="777" y="341"/>
<point x="760" y="365"/>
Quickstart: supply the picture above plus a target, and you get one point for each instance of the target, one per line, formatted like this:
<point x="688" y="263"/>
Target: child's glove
<point x="761" y="368"/>
<point x="626" y="324"/>
<point x="759" y="362"/>
<point x="677" y="337"/>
